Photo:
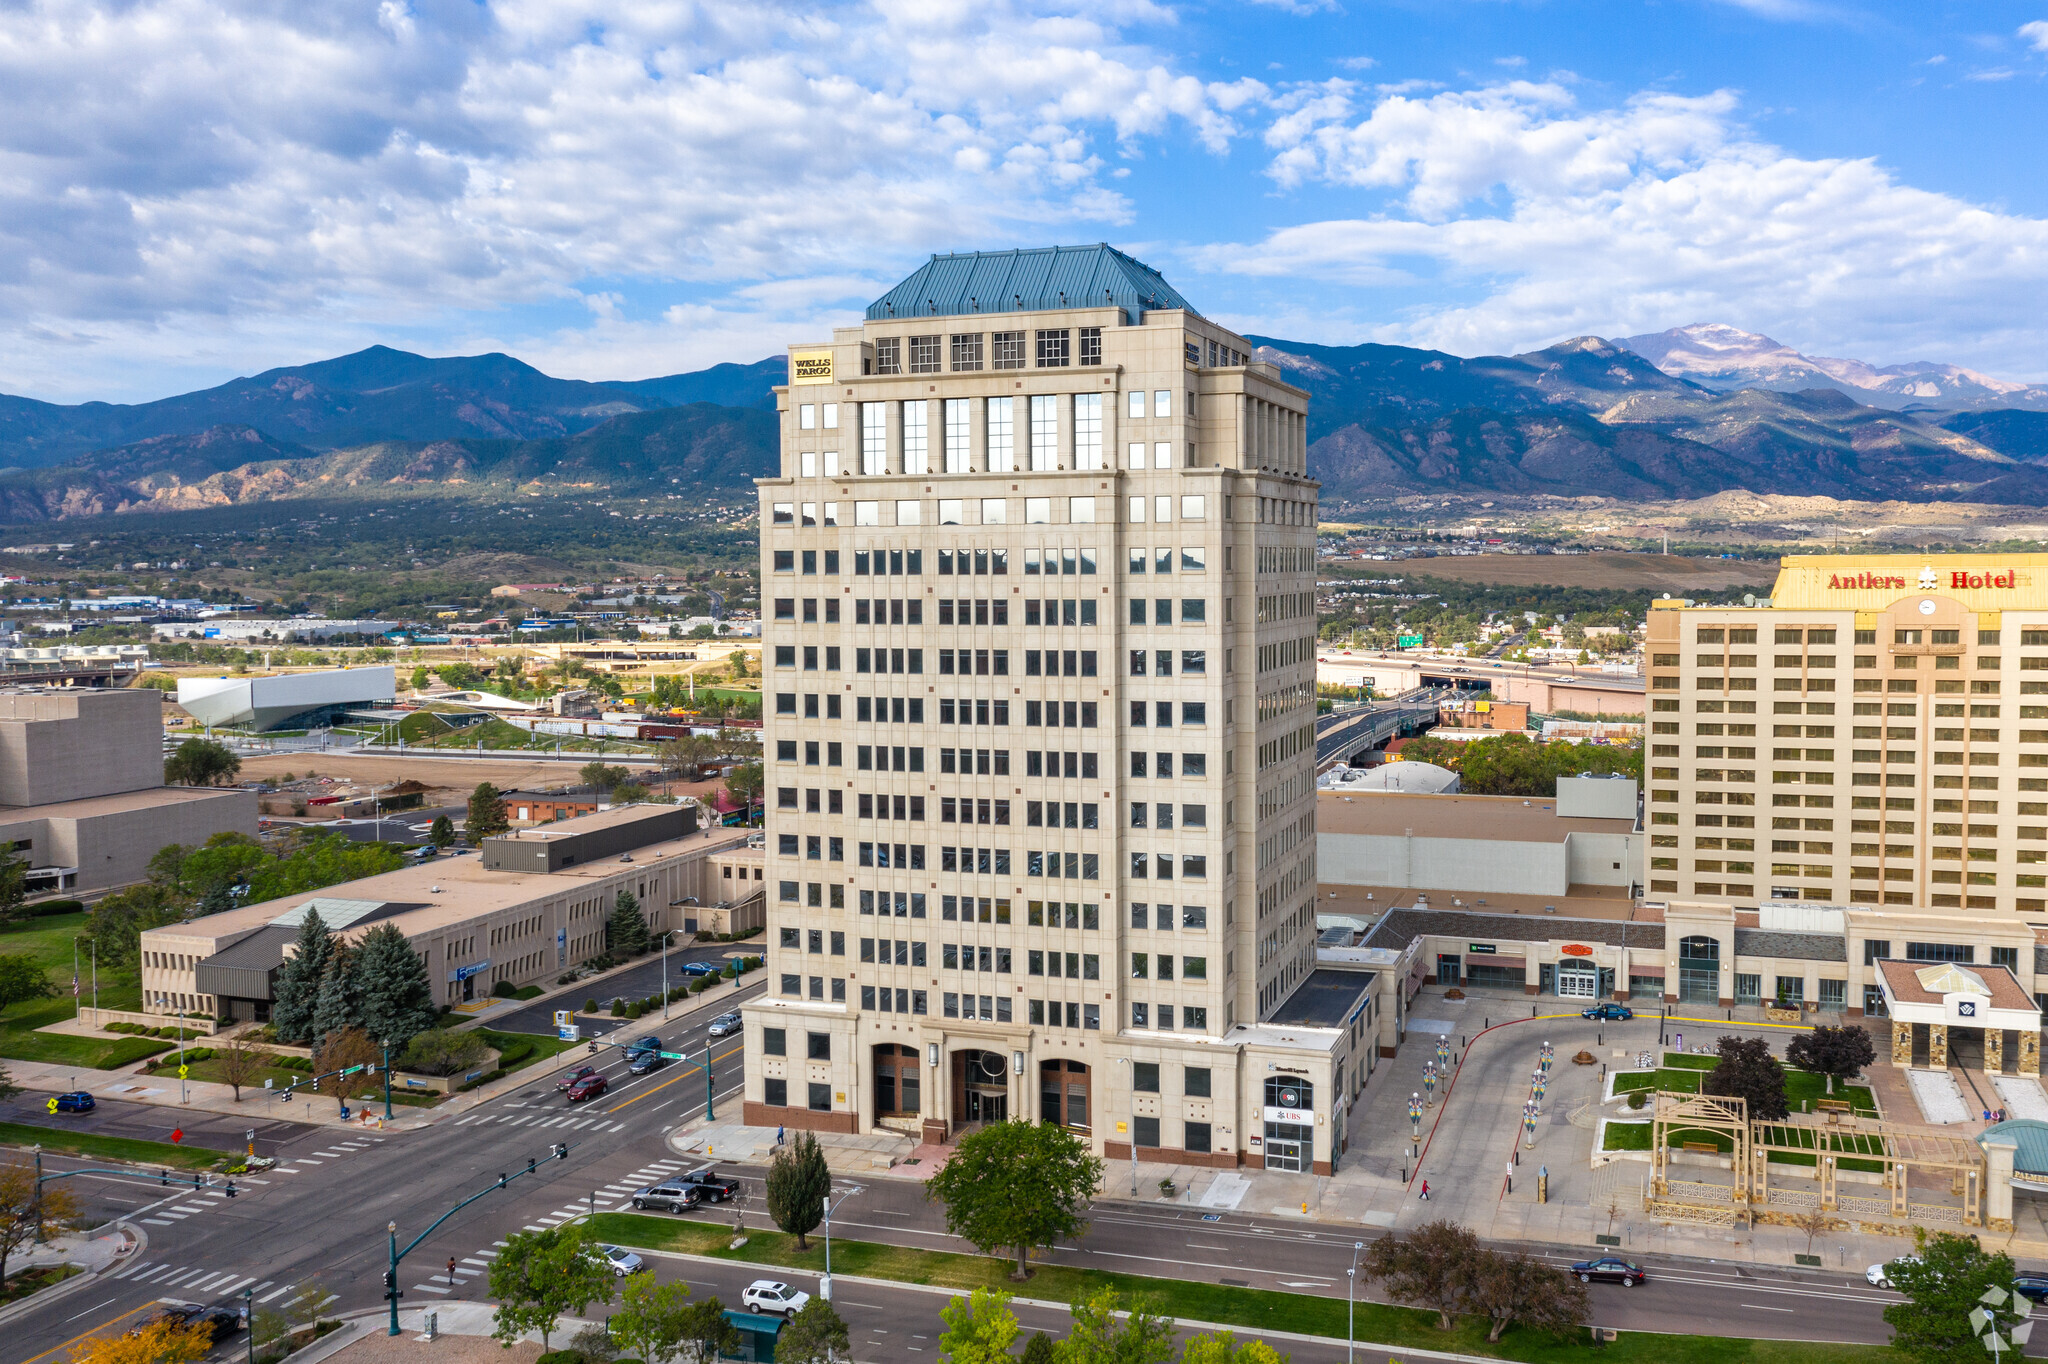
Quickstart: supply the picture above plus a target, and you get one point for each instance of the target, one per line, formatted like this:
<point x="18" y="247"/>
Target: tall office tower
<point x="1038" y="578"/>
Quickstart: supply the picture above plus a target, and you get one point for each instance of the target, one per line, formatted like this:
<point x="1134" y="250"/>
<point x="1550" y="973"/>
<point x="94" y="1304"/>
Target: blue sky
<point x="190" y="191"/>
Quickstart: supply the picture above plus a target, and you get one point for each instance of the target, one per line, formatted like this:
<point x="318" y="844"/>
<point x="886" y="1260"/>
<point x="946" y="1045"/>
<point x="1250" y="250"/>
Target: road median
<point x="1379" y="1326"/>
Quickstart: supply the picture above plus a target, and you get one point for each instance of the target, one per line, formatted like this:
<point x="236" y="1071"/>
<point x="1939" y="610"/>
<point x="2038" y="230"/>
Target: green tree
<point x="421" y="678"/>
<point x="339" y="1004"/>
<point x="13" y="887"/>
<point x="226" y="859"/>
<point x="653" y="1319"/>
<point x="316" y="862"/>
<point x="443" y="1051"/>
<point x="625" y="932"/>
<point x="117" y="922"/>
<point x="397" y="998"/>
<point x="1223" y="1347"/>
<point x="812" y="1335"/>
<point x="201" y="762"/>
<point x="1017" y="1185"/>
<point x="1100" y="1336"/>
<point x="1432" y="1268"/>
<point x="1941" y="1286"/>
<point x="627" y="793"/>
<point x="707" y="1332"/>
<point x="486" y="814"/>
<point x="1837" y="1053"/>
<point x="1039" y="1349"/>
<point x="441" y="833"/>
<point x="602" y="775"/>
<point x="798" y="1185"/>
<point x="22" y="980"/>
<point x="540" y="1275"/>
<point x="979" y="1329"/>
<point x="298" y="980"/>
<point x="1512" y="1288"/>
<point x="743" y="784"/>
<point x="1748" y="1071"/>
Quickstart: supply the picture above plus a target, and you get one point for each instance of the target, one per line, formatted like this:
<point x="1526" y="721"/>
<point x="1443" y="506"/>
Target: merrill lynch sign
<point x="1928" y="581"/>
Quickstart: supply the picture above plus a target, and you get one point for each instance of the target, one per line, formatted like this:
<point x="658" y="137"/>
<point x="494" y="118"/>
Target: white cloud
<point x="1544" y="220"/>
<point x="173" y="171"/>
<point x="2035" y="34"/>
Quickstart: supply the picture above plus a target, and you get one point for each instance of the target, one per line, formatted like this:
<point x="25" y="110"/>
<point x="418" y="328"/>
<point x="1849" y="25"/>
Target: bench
<point x="1834" y="1105"/>
<point x="1703" y="1147"/>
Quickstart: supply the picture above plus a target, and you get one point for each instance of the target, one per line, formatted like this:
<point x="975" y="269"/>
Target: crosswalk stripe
<point x="131" y="1269"/>
<point x="157" y="1221"/>
<point x="210" y="1281"/>
<point x="162" y="1269"/>
<point x="430" y="1288"/>
<point x="308" y="1160"/>
<point x="521" y="1122"/>
<point x="251" y="1179"/>
<point x="238" y="1287"/>
<point x="464" y="1122"/>
<point x="276" y="1292"/>
<point x="287" y="1170"/>
<point x="473" y="1260"/>
<point x="181" y="1274"/>
<point x="189" y="1207"/>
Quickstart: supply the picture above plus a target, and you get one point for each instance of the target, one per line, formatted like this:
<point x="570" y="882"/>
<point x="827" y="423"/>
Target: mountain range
<point x="1680" y="414"/>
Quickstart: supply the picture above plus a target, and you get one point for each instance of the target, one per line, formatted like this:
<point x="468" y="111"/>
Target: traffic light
<point x="391" y="1284"/>
<point x="529" y="1165"/>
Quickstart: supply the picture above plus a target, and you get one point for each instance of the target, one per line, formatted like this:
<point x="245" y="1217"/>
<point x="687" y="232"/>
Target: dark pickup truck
<point x="711" y="1186"/>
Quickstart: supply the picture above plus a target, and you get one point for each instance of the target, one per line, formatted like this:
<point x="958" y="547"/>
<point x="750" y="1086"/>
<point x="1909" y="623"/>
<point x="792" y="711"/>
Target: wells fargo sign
<point x="810" y="367"/>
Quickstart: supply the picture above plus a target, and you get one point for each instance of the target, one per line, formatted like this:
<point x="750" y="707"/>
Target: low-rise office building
<point x="82" y="794"/>
<point x="533" y="904"/>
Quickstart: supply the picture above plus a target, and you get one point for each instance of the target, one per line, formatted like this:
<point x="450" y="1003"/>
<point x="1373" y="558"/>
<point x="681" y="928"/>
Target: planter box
<point x="99" y="1018"/>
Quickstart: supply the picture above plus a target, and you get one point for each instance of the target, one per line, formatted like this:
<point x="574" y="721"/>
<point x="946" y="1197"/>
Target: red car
<point x="589" y="1087"/>
<point x="575" y="1077"/>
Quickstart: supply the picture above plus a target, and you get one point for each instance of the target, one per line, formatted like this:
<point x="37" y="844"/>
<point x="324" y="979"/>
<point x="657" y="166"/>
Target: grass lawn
<point x="1684" y="1074"/>
<point x="48" y="943"/>
<point x="1252" y="1309"/>
<point x="1635" y="1136"/>
<point x="517" y="1050"/>
<point x="125" y="1149"/>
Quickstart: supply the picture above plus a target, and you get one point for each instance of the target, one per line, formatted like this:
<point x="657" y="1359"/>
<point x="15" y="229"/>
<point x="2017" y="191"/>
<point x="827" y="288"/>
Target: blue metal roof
<point x="2031" y="1135"/>
<point x="1027" y="281"/>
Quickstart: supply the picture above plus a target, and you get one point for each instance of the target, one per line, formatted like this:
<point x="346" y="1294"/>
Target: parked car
<point x="773" y="1299"/>
<point x="1609" y="1269"/>
<point x="589" y="1087"/>
<point x="698" y="968"/>
<point x="570" y="1080"/>
<point x="621" y="1260"/>
<point x="725" y="1024"/>
<point x="78" y="1101"/>
<point x="2032" y="1287"/>
<point x="710" y="1185"/>
<point x="669" y="1196"/>
<point x="1610" y="1012"/>
<point x="1879" y="1276"/>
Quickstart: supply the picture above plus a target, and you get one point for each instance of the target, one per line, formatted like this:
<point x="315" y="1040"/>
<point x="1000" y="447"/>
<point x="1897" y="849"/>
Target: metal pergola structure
<point x="1827" y="1140"/>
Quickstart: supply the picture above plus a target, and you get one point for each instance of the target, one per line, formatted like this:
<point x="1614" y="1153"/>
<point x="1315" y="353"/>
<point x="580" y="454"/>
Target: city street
<point x="320" y="1216"/>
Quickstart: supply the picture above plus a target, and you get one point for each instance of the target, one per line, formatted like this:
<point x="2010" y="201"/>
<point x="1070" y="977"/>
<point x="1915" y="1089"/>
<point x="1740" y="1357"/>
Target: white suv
<point x="773" y="1299"/>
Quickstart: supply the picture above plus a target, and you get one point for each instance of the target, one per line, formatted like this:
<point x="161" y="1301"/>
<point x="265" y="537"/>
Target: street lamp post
<point x="664" y="970"/>
<point x="825" y="1284"/>
<point x="1350" y="1300"/>
<point x="164" y="1002"/>
<point x="387" y="1080"/>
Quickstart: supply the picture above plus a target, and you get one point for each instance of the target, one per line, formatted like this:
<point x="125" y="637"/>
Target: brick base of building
<point x="802" y="1119"/>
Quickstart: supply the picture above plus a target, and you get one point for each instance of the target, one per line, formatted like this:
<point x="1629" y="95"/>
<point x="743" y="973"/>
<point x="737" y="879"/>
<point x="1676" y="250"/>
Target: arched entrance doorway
<point x="1064" y="1094"/>
<point x="981" y="1087"/>
<point x="898" y="1081"/>
<point x="1699" y="969"/>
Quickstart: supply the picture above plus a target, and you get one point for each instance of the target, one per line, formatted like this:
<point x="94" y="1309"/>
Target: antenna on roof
<point x="933" y="305"/>
<point x="974" y="303"/>
<point x="1063" y="298"/>
<point x="1020" y="301"/>
<point x="891" y="307"/>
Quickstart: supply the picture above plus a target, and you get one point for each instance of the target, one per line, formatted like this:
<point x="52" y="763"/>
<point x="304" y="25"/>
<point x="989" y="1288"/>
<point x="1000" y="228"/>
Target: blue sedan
<point x="1609" y="1012"/>
<point x="76" y="1102"/>
<point x="698" y="968"/>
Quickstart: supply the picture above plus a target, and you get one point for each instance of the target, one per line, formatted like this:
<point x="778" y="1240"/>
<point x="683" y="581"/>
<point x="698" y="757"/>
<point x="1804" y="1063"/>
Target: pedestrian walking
<point x="1425" y="1191"/>
<point x="231" y="1188"/>
<point x="451" y="1270"/>
<point x="778" y="1136"/>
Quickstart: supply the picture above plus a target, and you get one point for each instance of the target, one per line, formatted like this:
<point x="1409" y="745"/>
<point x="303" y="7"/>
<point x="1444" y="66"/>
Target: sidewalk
<point x="865" y="1155"/>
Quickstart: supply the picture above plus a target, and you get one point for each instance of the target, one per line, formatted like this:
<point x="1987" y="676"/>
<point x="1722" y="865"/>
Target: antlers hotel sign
<point x="1873" y="582"/>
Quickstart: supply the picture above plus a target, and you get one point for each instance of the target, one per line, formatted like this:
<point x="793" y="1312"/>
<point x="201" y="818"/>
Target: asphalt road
<point x="637" y="983"/>
<point x="320" y="1217"/>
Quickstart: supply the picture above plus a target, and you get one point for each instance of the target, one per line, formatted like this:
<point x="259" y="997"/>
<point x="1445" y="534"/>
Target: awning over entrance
<point x="1956" y="995"/>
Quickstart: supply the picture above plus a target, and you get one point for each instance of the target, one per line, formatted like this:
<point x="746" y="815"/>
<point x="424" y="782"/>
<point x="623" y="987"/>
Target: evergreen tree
<point x="441" y="833"/>
<point x="298" y="980"/>
<point x="397" y="999"/>
<point x="626" y="930"/>
<point x="339" y="1005"/>
<point x="219" y="897"/>
<point x="798" y="1185"/>
<point x="486" y="814"/>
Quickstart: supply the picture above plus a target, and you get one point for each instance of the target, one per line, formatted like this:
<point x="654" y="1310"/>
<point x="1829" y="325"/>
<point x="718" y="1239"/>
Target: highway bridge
<point x="1340" y="735"/>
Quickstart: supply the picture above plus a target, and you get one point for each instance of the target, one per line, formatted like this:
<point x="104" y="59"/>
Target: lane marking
<point x="88" y="1333"/>
<point x="94" y="1308"/>
<point x="1759" y="1307"/>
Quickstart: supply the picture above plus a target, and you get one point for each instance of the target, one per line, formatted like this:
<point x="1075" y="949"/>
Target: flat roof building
<point x="475" y="923"/>
<point x="1039" y="659"/>
<point x="82" y="794"/>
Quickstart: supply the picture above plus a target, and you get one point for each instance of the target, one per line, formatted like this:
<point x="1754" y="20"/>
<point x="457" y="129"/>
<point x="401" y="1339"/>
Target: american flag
<point x="74" y="984"/>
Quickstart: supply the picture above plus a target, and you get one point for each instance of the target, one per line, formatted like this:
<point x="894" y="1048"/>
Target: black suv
<point x="669" y="1196"/>
<point x="710" y="1185"/>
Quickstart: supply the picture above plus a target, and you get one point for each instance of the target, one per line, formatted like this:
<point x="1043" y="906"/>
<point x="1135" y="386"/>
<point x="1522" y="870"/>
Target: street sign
<point x="177" y="1134"/>
<point x="184" y="1072"/>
